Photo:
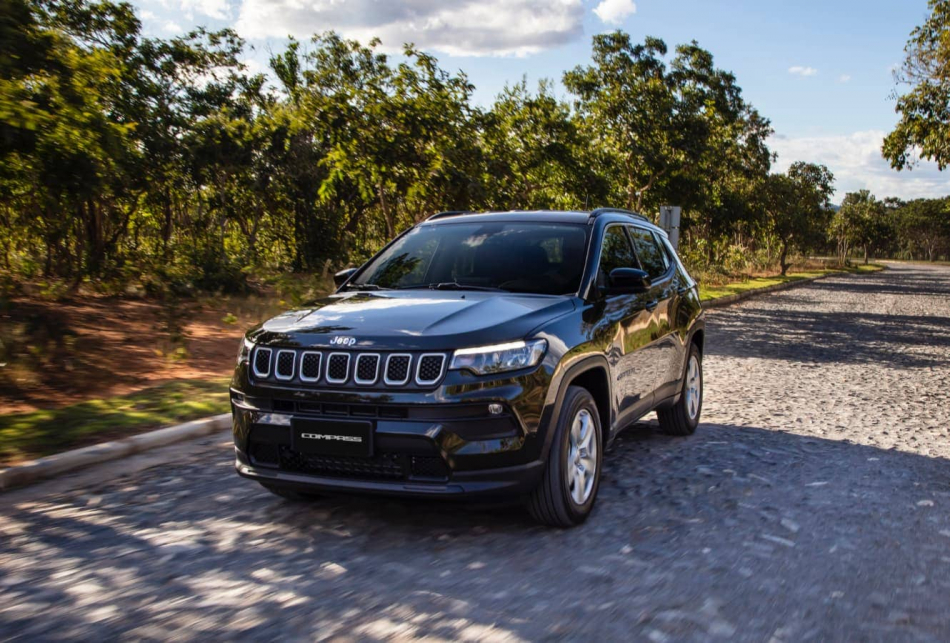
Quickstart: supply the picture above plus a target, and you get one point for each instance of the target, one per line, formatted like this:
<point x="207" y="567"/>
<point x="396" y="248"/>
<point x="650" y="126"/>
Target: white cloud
<point x="217" y="9"/>
<point x="460" y="28"/>
<point x="856" y="161"/>
<point x="798" y="70"/>
<point x="171" y="26"/>
<point x="844" y="78"/>
<point x="615" y="11"/>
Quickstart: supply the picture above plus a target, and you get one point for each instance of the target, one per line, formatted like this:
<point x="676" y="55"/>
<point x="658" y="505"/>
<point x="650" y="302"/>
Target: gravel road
<point x="812" y="503"/>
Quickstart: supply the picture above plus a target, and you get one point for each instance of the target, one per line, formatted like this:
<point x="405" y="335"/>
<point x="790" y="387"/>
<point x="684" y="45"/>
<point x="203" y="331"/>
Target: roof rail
<point x="599" y="211"/>
<point x="448" y="213"/>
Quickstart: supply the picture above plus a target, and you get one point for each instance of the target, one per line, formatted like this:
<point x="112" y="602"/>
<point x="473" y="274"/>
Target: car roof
<point x="548" y="216"/>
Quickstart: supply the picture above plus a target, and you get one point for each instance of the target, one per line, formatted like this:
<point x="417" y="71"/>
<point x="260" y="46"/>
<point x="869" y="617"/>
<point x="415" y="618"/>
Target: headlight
<point x="245" y="350"/>
<point x="500" y="357"/>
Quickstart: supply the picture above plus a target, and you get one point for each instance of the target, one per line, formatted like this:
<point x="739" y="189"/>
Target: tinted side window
<point x="616" y="253"/>
<point x="652" y="258"/>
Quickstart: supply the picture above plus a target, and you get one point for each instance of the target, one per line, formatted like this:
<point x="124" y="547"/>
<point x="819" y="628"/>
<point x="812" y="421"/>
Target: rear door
<point x="660" y="301"/>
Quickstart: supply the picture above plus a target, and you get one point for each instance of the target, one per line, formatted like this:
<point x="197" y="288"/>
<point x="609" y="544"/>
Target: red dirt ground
<point x="57" y="353"/>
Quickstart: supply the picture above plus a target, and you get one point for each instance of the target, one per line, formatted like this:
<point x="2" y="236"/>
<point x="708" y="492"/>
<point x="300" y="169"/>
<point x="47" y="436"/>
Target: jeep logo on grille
<point x="343" y="340"/>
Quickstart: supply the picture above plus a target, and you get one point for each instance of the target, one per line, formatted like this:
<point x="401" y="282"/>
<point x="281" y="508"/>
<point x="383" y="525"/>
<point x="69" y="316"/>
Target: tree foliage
<point x="924" y="126"/>
<point x="797" y="206"/>
<point x="166" y="163"/>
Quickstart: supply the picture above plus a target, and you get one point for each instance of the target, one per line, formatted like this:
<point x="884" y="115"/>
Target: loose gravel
<point x="811" y="504"/>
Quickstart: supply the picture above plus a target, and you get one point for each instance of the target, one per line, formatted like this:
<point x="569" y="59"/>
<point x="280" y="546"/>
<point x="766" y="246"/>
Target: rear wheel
<point x="683" y="417"/>
<point x="290" y="494"/>
<point x="566" y="494"/>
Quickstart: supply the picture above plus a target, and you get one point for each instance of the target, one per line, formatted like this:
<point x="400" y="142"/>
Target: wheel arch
<point x="592" y="374"/>
<point x="699" y="339"/>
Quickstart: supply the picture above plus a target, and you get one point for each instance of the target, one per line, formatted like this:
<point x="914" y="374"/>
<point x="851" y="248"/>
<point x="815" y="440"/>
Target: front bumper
<point x="507" y="481"/>
<point x="441" y="443"/>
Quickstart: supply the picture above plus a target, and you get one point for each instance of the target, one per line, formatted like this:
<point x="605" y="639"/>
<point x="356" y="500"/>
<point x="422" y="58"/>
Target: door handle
<point x="653" y="304"/>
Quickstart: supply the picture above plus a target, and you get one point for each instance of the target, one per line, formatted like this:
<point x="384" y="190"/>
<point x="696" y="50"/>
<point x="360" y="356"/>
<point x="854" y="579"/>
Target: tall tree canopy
<point x="924" y="126"/>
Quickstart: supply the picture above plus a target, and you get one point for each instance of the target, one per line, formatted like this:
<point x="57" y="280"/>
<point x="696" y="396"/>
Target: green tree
<point x="796" y="204"/>
<point x="658" y="124"/>
<point x="924" y="125"/>
<point x="863" y="221"/>
<point x="923" y="226"/>
<point x="534" y="153"/>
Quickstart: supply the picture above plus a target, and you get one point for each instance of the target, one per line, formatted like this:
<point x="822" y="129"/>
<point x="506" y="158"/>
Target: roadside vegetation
<point x="157" y="197"/>
<point x="39" y="433"/>
<point x="708" y="292"/>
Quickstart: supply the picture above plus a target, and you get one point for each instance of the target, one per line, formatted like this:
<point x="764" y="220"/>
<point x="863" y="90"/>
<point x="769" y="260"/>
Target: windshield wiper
<point x="452" y="285"/>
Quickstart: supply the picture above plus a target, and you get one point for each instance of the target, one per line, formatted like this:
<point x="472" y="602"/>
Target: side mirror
<point x="340" y="278"/>
<point x="628" y="281"/>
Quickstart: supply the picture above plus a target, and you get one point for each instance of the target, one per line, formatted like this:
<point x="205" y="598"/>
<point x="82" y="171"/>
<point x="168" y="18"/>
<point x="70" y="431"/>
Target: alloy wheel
<point x="582" y="457"/>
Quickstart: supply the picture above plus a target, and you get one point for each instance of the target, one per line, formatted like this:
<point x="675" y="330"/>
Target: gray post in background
<point x="670" y="221"/>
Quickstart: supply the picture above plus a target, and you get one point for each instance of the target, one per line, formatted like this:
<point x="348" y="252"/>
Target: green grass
<point x="756" y="283"/>
<point x="30" y="435"/>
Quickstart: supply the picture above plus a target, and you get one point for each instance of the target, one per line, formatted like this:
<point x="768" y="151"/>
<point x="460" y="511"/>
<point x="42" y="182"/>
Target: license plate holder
<point x="333" y="437"/>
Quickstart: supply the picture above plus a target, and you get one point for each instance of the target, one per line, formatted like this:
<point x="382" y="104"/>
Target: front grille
<point x="430" y="369"/>
<point x="262" y="362"/>
<point x="310" y="367"/>
<point x="338" y="368"/>
<point x="367" y="368"/>
<point x="385" y="466"/>
<point x="319" y="368"/>
<point x="284" y="370"/>
<point x="397" y="369"/>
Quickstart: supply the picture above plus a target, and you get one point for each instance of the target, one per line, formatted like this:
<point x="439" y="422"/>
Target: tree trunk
<point x="782" y="257"/>
<point x="387" y="216"/>
<point x="866" y="255"/>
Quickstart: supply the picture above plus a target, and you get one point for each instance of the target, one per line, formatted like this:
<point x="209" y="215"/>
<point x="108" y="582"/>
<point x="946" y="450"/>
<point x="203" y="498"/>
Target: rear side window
<point x="652" y="257"/>
<point x="616" y="253"/>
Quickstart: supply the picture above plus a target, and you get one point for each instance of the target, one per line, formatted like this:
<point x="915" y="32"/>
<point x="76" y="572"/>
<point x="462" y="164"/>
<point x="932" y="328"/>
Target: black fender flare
<point x="552" y="411"/>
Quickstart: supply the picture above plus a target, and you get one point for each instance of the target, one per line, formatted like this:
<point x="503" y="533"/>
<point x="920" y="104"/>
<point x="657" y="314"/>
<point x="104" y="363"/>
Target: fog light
<point x="495" y="409"/>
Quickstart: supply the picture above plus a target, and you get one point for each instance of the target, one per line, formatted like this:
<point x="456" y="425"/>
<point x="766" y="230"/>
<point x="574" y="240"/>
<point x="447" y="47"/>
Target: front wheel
<point x="683" y="417"/>
<point x="566" y="494"/>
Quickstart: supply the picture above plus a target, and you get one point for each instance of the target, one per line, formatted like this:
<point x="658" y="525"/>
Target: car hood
<point x="406" y="320"/>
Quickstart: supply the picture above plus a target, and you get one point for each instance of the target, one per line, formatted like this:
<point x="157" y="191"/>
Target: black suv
<point x="476" y="355"/>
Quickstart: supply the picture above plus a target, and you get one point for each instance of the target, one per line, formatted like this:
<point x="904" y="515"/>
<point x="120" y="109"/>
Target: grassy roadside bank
<point x="39" y="433"/>
<point x="707" y="293"/>
<point x="25" y="436"/>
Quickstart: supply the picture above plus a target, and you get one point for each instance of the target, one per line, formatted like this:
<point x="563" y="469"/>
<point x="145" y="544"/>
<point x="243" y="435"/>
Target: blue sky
<point x="820" y="70"/>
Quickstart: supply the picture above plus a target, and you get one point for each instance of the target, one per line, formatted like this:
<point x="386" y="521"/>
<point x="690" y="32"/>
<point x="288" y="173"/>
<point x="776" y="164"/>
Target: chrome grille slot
<point x="284" y="367"/>
<point x="262" y="361"/>
<point x="397" y="369"/>
<point x="310" y="366"/>
<point x="338" y="368"/>
<point x="367" y="368"/>
<point x="429" y="369"/>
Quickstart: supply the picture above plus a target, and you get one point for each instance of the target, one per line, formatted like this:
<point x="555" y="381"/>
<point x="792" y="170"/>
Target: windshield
<point x="524" y="257"/>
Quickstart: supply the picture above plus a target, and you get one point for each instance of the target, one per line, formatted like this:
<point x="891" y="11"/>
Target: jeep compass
<point x="492" y="354"/>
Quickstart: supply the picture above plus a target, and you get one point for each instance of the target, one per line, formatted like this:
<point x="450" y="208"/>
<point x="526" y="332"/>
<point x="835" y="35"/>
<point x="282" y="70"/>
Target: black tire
<point x="290" y="494"/>
<point x="551" y="503"/>
<point x="677" y="420"/>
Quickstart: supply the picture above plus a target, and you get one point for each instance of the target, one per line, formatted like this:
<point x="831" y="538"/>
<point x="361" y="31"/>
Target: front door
<point x="628" y="323"/>
<point x="667" y="347"/>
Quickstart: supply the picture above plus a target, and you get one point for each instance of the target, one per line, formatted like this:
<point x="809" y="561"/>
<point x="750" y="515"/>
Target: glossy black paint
<point x="628" y="348"/>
